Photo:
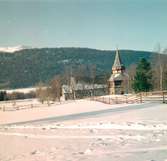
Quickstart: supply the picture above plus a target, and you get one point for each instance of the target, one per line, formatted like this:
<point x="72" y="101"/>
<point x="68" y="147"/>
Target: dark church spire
<point x="118" y="65"/>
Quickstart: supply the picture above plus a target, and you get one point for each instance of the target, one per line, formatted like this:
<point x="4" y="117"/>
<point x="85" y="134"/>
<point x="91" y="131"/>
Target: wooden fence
<point x="129" y="99"/>
<point x="156" y="96"/>
<point x="27" y="104"/>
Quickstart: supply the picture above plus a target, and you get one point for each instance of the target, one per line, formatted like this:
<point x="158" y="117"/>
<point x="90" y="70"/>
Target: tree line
<point x="4" y="96"/>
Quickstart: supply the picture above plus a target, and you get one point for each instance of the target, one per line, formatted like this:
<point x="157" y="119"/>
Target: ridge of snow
<point x="13" y="48"/>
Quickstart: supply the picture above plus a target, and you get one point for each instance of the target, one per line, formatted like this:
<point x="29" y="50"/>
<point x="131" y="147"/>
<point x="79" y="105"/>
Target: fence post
<point x="141" y="98"/>
<point x="126" y="99"/>
<point x="163" y="95"/>
<point x="116" y="101"/>
<point x="3" y="108"/>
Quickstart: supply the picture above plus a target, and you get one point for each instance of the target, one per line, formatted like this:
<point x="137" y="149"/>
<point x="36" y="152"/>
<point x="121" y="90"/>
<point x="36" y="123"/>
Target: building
<point x="81" y="90"/>
<point x="118" y="82"/>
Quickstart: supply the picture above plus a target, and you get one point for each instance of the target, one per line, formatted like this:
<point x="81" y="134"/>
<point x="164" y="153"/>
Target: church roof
<point x="80" y="86"/>
<point x="117" y="62"/>
<point x="119" y="76"/>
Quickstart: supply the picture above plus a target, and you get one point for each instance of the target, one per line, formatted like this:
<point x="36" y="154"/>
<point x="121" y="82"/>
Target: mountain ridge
<point x="15" y="49"/>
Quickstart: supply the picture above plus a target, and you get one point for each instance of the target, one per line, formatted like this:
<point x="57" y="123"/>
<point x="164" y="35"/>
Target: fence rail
<point x="129" y="99"/>
<point x="155" y="96"/>
<point x="27" y="104"/>
<point x="160" y="96"/>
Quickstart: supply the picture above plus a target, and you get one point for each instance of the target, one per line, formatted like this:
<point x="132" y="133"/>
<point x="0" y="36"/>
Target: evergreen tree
<point x="3" y="95"/>
<point x="143" y="77"/>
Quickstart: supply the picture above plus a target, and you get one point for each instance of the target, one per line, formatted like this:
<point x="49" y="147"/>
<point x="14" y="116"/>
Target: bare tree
<point x="93" y="76"/>
<point x="159" y="68"/>
<point x="55" y="88"/>
<point x="73" y="87"/>
<point x="131" y="73"/>
<point x="40" y="92"/>
<point x="80" y="72"/>
<point x="164" y="67"/>
<point x="67" y="74"/>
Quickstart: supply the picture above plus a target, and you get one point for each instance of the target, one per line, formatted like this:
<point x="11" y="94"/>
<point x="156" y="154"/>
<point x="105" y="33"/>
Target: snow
<point x="21" y="90"/>
<point x="134" y="134"/>
<point x="54" y="110"/>
<point x="13" y="48"/>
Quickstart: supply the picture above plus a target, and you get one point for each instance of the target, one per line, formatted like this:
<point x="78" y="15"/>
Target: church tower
<point x="118" y="82"/>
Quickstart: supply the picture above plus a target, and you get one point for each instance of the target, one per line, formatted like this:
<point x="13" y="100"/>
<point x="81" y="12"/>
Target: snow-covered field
<point x="85" y="130"/>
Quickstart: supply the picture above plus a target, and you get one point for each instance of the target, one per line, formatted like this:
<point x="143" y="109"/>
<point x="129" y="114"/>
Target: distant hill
<point x="27" y="67"/>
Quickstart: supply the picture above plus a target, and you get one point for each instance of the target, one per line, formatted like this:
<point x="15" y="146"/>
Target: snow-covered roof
<point x="21" y="90"/>
<point x="118" y="76"/>
<point x="80" y="86"/>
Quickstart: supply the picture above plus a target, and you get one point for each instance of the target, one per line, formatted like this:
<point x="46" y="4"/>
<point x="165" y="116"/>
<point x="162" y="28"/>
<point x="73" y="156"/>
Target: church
<point x="118" y="81"/>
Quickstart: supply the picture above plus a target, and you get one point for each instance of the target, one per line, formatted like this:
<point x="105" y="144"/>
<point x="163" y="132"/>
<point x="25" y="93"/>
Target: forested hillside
<point x="27" y="67"/>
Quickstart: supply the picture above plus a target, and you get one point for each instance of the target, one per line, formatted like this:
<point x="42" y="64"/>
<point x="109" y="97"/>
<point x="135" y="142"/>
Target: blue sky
<point x="101" y="24"/>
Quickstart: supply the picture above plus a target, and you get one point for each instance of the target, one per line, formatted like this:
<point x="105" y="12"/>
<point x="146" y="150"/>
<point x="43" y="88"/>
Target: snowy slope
<point x="138" y="134"/>
<point x="13" y="49"/>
